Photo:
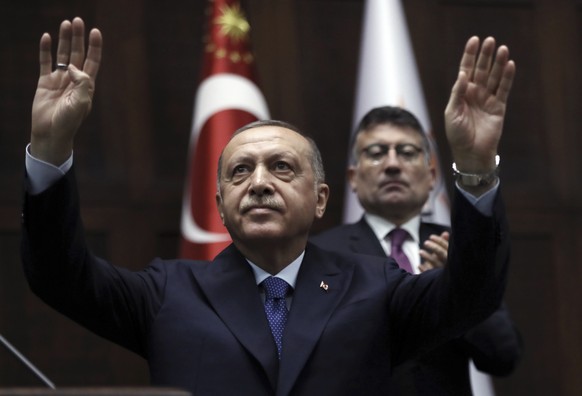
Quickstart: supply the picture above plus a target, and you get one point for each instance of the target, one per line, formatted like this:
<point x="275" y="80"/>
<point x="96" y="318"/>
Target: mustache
<point x="266" y="201"/>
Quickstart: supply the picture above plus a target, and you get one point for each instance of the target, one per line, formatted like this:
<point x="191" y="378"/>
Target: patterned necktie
<point x="276" y="290"/>
<point x="397" y="238"/>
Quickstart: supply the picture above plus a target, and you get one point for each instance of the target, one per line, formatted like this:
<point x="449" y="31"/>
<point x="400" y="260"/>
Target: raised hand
<point x="64" y="95"/>
<point x="476" y="110"/>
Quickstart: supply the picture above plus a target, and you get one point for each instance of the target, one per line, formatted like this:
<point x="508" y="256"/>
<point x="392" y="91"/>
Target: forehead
<point x="266" y="139"/>
<point x="388" y="133"/>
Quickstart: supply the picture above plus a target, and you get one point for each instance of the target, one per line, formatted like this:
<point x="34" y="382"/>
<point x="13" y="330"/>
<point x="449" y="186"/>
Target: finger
<point x="64" y="46"/>
<point x="455" y="105"/>
<point x="431" y="259"/>
<point x="78" y="43"/>
<point x="425" y="267"/>
<point x="432" y="264"/>
<point x="426" y="257"/>
<point x="93" y="60"/>
<point x="435" y="252"/>
<point x="506" y="82"/>
<point x="496" y="74"/>
<point x="469" y="56"/>
<point x="442" y="243"/>
<point x="483" y="65"/>
<point x="44" y="55"/>
<point x="437" y="242"/>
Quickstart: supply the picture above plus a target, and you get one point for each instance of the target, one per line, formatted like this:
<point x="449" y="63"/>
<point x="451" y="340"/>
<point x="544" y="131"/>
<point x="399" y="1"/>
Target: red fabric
<point x="226" y="50"/>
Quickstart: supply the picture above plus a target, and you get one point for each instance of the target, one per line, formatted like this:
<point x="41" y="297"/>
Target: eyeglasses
<point x="375" y="154"/>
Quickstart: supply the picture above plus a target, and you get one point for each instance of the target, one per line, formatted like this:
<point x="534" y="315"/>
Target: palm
<point x="64" y="96"/>
<point x="54" y="107"/>
<point x="480" y="113"/>
<point x="476" y="109"/>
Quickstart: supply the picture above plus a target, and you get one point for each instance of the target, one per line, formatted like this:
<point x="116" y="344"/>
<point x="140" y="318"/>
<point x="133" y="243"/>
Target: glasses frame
<point x="405" y="152"/>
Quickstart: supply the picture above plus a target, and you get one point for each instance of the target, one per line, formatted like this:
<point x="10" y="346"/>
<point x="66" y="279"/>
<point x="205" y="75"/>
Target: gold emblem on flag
<point x="233" y="23"/>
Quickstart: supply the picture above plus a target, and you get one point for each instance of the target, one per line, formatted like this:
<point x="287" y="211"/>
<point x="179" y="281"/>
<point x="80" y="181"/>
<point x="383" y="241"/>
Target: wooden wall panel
<point x="532" y="299"/>
<point x="131" y="152"/>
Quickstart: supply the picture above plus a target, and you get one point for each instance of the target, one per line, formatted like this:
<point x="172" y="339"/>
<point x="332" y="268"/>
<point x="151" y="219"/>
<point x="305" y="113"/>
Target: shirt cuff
<point x="483" y="203"/>
<point x="41" y="174"/>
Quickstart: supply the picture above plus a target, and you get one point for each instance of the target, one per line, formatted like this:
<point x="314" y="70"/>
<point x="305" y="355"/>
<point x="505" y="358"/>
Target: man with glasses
<point x="392" y="175"/>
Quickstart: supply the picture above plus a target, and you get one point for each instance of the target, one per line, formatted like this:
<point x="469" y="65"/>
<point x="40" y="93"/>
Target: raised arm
<point x="476" y="110"/>
<point x="65" y="90"/>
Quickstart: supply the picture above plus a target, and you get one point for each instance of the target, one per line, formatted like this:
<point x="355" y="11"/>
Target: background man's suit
<point x="494" y="345"/>
<point x="202" y="325"/>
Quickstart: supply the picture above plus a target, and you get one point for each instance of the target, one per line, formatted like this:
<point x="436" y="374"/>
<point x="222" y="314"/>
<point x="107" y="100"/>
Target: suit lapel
<point x="312" y="306"/>
<point x="231" y="289"/>
<point x="363" y="240"/>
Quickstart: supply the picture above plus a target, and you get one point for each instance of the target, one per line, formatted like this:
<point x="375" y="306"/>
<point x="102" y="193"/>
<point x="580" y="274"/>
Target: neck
<point x="271" y="256"/>
<point x="398" y="218"/>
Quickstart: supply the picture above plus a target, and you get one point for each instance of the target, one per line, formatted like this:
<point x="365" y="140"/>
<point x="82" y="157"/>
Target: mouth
<point x="392" y="184"/>
<point x="260" y="208"/>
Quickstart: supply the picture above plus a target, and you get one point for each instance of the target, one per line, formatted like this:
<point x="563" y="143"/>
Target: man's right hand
<point x="64" y="96"/>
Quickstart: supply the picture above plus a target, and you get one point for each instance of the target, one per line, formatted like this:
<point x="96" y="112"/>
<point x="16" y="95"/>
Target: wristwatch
<point x="476" y="179"/>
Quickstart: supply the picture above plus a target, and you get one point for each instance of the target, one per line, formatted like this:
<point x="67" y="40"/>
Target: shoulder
<point x="341" y="233"/>
<point x="159" y="269"/>
<point x="434" y="227"/>
<point x="341" y="230"/>
<point x="347" y="259"/>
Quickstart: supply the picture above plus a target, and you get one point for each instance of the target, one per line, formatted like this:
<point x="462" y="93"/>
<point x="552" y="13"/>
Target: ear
<point x="219" y="206"/>
<point x="322" y="197"/>
<point x="351" y="176"/>
<point x="433" y="176"/>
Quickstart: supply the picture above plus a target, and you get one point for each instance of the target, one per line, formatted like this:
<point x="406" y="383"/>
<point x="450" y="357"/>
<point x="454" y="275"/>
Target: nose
<point x="391" y="162"/>
<point x="260" y="182"/>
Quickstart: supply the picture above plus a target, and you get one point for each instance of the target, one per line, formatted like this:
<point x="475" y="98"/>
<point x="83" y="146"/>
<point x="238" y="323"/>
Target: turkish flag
<point x="227" y="98"/>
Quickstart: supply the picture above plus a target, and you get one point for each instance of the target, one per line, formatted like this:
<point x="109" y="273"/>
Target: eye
<point x="240" y="170"/>
<point x="408" y="152"/>
<point x="281" y="166"/>
<point x="375" y="152"/>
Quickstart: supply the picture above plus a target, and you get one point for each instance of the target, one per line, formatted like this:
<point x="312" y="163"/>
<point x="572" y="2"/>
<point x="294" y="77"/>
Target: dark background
<point x="131" y="153"/>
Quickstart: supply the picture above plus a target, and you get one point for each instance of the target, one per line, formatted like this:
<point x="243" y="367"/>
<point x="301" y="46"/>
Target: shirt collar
<point x="288" y="274"/>
<point x="382" y="227"/>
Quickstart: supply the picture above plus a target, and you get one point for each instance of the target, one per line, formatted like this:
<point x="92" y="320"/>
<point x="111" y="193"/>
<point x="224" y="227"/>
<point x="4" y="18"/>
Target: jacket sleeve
<point x="436" y="306"/>
<point x="495" y="345"/>
<point x="111" y="301"/>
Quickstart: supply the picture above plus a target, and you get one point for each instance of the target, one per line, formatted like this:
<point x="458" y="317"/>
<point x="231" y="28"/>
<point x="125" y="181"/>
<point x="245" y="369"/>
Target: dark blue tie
<point x="276" y="290"/>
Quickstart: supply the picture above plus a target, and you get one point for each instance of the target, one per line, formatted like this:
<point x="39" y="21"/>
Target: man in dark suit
<point x="272" y="314"/>
<point x="392" y="175"/>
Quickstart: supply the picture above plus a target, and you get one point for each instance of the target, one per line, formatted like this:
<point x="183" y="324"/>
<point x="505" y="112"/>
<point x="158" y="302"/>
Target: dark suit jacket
<point x="494" y="345"/>
<point x="202" y="326"/>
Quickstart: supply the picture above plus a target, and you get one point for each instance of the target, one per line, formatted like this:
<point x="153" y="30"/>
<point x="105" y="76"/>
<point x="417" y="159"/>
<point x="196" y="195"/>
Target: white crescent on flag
<point x="243" y="95"/>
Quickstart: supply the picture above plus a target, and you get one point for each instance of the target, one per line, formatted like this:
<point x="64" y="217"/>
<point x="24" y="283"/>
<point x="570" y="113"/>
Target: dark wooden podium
<point x="97" y="391"/>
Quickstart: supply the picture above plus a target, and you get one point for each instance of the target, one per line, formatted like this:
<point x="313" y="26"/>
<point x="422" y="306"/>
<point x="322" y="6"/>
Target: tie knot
<point x="398" y="236"/>
<point x="275" y="287"/>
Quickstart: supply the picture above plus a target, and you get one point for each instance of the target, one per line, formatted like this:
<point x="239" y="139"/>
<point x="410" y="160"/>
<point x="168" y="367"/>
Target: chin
<point x="261" y="233"/>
